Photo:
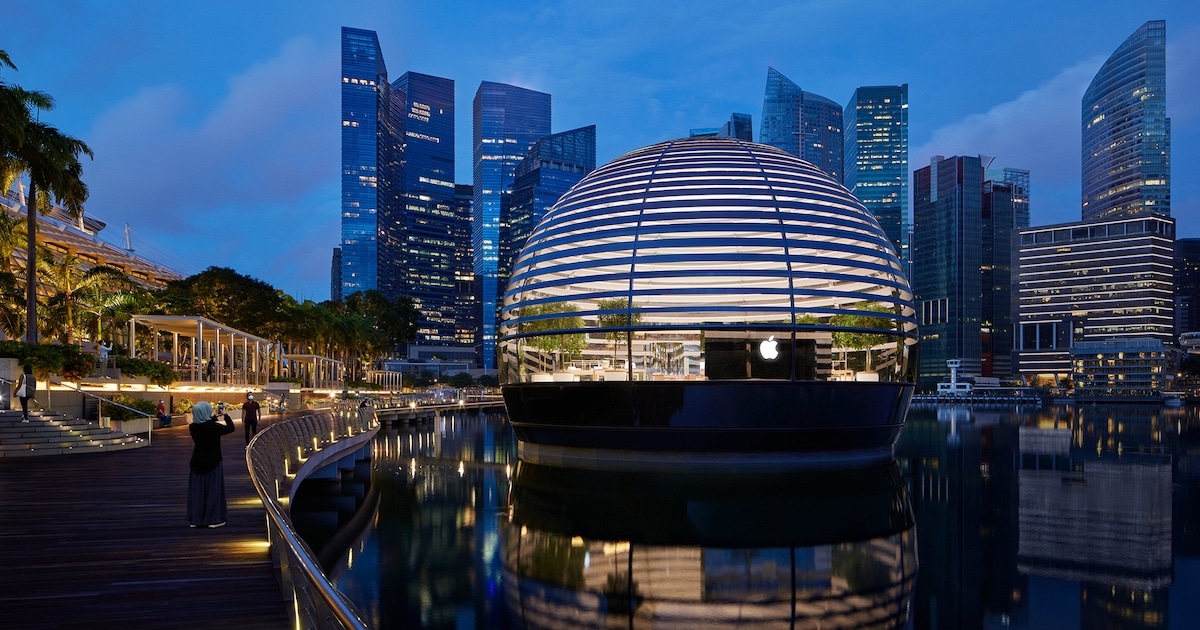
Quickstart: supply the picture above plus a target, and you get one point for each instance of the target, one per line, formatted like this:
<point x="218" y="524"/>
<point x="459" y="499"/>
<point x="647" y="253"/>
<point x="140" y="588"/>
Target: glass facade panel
<point x="363" y="74"/>
<point x="1126" y="132"/>
<point x="806" y="125"/>
<point x="711" y="284"/>
<point x="876" y="157"/>
<point x="508" y="120"/>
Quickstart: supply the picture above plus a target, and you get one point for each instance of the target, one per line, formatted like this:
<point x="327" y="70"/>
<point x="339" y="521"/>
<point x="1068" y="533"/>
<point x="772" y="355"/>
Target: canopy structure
<point x="202" y="350"/>
<point x="317" y="371"/>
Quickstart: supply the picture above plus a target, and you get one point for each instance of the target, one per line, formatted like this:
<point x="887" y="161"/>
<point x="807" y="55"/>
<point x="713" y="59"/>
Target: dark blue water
<point x="1068" y="517"/>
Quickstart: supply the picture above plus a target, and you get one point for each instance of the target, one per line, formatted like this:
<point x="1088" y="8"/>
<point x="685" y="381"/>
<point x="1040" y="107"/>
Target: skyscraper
<point x="398" y="216"/>
<point x="552" y="166"/>
<point x="507" y="121"/>
<point x="804" y="124"/>
<point x="423" y="212"/>
<point x="466" y="304"/>
<point x="963" y="227"/>
<point x="738" y="126"/>
<point x="876" y="157"/>
<point x="364" y="103"/>
<point x="1126" y="132"/>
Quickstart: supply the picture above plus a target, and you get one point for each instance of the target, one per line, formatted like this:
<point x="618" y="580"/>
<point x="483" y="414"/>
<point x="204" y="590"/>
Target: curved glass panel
<point x="707" y="258"/>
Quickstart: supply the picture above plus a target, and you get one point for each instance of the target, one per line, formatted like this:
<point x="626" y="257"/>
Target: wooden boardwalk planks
<point x="102" y="540"/>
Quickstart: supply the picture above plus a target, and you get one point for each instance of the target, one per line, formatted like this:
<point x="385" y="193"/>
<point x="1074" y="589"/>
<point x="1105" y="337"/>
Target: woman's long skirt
<point x="206" y="498"/>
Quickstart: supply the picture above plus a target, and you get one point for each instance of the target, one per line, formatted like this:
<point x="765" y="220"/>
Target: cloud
<point x="1039" y="131"/>
<point x="162" y="166"/>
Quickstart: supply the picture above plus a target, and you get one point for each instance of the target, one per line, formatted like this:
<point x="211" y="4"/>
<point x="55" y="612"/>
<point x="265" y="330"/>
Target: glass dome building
<point x="708" y="298"/>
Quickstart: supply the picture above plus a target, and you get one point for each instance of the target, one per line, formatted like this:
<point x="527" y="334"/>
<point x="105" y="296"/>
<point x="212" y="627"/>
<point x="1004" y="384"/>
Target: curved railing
<point x="279" y="458"/>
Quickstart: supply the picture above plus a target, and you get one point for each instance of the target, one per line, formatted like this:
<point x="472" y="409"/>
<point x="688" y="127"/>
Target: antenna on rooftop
<point x="128" y="242"/>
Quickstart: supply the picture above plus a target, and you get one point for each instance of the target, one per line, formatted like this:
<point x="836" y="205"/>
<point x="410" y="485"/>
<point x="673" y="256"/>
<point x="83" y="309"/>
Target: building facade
<point x="739" y="126"/>
<point x="466" y="306"/>
<point x="364" y="103"/>
<point x="507" y="121"/>
<point x="876" y="157"/>
<point x="962" y="230"/>
<point x="1121" y="368"/>
<point x="552" y="166"/>
<point x="422" y="215"/>
<point x="1187" y="285"/>
<point x="1091" y="281"/>
<point x="806" y="125"/>
<point x="1126" y="132"/>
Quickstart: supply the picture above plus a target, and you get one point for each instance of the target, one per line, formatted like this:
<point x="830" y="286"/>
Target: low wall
<point x="280" y="457"/>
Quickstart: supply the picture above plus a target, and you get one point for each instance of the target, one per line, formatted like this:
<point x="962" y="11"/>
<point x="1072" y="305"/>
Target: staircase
<point x="50" y="433"/>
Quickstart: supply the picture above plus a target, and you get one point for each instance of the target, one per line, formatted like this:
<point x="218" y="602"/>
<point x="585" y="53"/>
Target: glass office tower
<point x="804" y="124"/>
<point x="1126" y="132"/>
<point x="466" y="305"/>
<point x="876" y="157"/>
<point x="962" y="236"/>
<point x="554" y="164"/>
<point x="425" y="217"/>
<point x="739" y="126"/>
<point x="507" y="121"/>
<point x="364" y="81"/>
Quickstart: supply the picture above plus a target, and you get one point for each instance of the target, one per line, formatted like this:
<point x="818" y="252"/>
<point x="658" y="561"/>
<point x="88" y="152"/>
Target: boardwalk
<point x="102" y="541"/>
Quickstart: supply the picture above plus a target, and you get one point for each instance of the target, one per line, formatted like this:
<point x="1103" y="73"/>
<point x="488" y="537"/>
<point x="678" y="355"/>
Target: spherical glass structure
<point x="717" y="285"/>
<point x="670" y="260"/>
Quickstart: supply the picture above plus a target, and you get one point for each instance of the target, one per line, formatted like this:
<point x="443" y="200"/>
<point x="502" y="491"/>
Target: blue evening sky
<point x="216" y="124"/>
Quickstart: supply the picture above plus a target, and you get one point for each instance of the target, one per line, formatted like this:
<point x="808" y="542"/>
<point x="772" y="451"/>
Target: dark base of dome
<point x="730" y="424"/>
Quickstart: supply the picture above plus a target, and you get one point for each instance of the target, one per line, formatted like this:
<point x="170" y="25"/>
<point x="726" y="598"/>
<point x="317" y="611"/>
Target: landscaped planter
<point x="133" y="427"/>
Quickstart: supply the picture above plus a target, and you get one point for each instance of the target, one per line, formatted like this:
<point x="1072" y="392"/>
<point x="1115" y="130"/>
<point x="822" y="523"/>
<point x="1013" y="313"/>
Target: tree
<point x="562" y="344"/>
<point x="625" y="319"/>
<point x="75" y="290"/>
<point x="861" y="339"/>
<point x="226" y="296"/>
<point x="12" y="238"/>
<point x="12" y="306"/>
<point x="50" y="159"/>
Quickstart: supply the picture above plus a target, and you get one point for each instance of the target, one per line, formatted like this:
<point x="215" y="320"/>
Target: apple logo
<point x="769" y="349"/>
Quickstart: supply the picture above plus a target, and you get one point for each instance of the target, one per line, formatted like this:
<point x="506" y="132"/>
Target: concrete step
<point x="95" y="444"/>
<point x="51" y="433"/>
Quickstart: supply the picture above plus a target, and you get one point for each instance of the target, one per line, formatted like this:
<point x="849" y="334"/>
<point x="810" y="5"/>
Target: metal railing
<point x="105" y="401"/>
<point x="279" y="458"/>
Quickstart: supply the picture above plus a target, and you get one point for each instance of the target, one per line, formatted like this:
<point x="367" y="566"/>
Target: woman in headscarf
<point x="206" y="484"/>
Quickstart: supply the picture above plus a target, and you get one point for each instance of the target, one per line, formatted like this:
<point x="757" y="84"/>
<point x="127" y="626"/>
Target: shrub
<point x="120" y="413"/>
<point x="183" y="406"/>
<point x="159" y="373"/>
<point x="70" y="362"/>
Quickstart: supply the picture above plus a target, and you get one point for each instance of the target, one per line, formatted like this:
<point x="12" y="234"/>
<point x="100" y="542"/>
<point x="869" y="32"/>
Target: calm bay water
<point x="1066" y="517"/>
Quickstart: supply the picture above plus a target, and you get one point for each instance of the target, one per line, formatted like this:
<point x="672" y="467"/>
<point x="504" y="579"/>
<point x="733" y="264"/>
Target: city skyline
<point x="216" y="126"/>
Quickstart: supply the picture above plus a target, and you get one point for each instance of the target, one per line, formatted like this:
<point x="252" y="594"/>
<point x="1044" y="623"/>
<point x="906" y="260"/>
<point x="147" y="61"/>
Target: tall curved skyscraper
<point x="1126" y="132"/>
<point x="807" y="125"/>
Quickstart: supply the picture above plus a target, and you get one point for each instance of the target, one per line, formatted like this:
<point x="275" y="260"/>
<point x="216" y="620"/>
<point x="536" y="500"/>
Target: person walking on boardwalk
<point x="250" y="416"/>
<point x="26" y="389"/>
<point x="206" y="505"/>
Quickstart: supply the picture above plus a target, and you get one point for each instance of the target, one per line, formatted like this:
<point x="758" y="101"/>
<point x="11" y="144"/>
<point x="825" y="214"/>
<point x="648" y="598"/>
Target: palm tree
<point x="12" y="306"/>
<point x="12" y="238"/>
<point x="50" y="159"/>
<point x="75" y="289"/>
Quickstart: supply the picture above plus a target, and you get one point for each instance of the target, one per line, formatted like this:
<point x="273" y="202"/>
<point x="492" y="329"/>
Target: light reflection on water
<point x="1064" y="517"/>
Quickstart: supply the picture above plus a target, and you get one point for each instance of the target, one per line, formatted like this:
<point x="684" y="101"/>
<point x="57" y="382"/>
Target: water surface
<point x="1081" y="516"/>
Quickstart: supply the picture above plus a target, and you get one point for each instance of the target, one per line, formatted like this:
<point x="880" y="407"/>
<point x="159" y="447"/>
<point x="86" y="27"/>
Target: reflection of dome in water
<point x="699" y="265"/>
<point x="601" y="549"/>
